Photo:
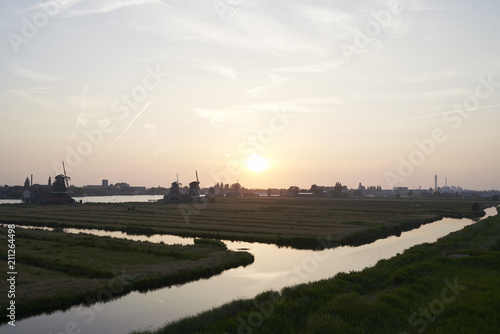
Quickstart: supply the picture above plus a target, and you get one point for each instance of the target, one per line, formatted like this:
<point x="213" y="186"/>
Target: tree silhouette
<point x="293" y="191"/>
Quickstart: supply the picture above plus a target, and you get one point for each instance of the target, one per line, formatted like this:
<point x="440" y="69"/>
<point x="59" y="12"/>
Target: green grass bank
<point x="57" y="270"/>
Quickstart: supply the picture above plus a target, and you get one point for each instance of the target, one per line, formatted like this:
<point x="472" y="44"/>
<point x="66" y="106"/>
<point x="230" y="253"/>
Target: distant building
<point x="104" y="183"/>
<point x="26" y="196"/>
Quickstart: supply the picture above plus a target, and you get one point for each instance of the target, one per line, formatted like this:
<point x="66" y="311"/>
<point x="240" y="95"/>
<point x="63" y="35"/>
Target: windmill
<point x="66" y="178"/>
<point x="194" y="187"/>
<point x="175" y="189"/>
<point x="61" y="183"/>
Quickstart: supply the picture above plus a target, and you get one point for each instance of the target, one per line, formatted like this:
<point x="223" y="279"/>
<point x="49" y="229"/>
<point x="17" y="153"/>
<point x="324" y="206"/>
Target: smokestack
<point x="446" y="182"/>
<point x="32" y="180"/>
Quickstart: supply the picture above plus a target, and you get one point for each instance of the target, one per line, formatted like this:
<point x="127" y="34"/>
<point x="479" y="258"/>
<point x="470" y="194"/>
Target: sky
<point x="264" y="93"/>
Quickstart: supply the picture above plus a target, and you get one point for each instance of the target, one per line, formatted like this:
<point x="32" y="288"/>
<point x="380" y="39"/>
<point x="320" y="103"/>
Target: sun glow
<point x="257" y="163"/>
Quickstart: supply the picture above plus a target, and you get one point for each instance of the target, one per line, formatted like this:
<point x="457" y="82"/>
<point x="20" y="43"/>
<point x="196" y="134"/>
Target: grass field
<point x="295" y="222"/>
<point x="451" y="286"/>
<point x="57" y="270"/>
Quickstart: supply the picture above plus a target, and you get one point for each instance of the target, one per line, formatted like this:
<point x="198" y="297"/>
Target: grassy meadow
<point x="294" y="222"/>
<point x="58" y="270"/>
<point x="451" y="286"/>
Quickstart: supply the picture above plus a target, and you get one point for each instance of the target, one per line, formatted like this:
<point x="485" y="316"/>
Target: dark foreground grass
<point x="451" y="286"/>
<point x="58" y="270"/>
<point x="294" y="222"/>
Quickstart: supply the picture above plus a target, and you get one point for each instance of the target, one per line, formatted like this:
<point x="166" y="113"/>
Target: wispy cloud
<point x="240" y="113"/>
<point x="258" y="91"/>
<point x="277" y="80"/>
<point x="444" y="113"/>
<point x="33" y="97"/>
<point x="22" y="70"/>
<point x="430" y="77"/>
<point x="53" y="4"/>
<point x="426" y="5"/>
<point x="94" y="7"/>
<point x="223" y="70"/>
<point x="7" y="115"/>
<point x="218" y="117"/>
<point x="307" y="68"/>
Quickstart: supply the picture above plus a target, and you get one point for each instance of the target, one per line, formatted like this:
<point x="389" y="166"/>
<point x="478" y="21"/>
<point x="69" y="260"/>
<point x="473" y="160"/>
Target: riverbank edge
<point x="384" y="298"/>
<point x="107" y="291"/>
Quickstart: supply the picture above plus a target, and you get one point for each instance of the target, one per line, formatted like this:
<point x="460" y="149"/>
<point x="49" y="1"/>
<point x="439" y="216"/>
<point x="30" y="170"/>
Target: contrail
<point x="443" y="113"/>
<point x="230" y="16"/>
<point x="135" y="118"/>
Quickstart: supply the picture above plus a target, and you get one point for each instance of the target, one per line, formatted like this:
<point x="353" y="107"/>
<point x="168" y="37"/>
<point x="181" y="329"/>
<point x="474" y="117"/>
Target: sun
<point x="256" y="163"/>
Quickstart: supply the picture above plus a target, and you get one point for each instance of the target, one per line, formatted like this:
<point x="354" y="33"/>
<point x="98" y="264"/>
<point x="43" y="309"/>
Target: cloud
<point x="226" y="71"/>
<point x="33" y="97"/>
<point x="7" y="115"/>
<point x="425" y="5"/>
<point x="22" y="70"/>
<point x="456" y="93"/>
<point x="308" y="68"/>
<point x="220" y="116"/>
<point x="277" y="80"/>
<point x="430" y="77"/>
<point x="258" y="91"/>
<point x="94" y="7"/>
<point x="333" y="22"/>
<point x="240" y="113"/>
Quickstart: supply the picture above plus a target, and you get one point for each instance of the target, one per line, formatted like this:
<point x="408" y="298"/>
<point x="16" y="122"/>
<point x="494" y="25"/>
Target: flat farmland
<point x="294" y="222"/>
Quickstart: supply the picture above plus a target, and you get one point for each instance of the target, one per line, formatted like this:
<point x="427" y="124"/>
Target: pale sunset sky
<point x="269" y="93"/>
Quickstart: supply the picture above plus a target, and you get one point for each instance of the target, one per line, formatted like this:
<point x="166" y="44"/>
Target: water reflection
<point x="274" y="268"/>
<point x="155" y="238"/>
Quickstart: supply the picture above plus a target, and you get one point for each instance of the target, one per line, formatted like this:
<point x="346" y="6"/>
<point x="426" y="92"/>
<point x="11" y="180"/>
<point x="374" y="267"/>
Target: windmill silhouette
<point x="175" y="188"/>
<point x="66" y="178"/>
<point x="61" y="184"/>
<point x="194" y="187"/>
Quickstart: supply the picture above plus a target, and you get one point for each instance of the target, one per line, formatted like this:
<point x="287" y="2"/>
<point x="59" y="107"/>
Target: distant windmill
<point x="194" y="187"/>
<point x="175" y="189"/>
<point x="61" y="183"/>
<point x="66" y="178"/>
